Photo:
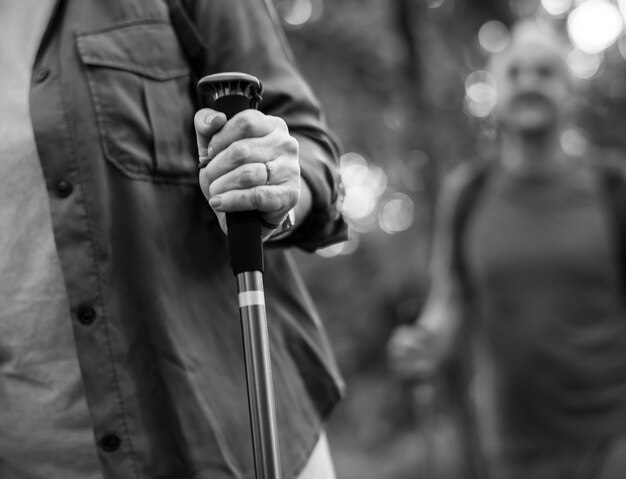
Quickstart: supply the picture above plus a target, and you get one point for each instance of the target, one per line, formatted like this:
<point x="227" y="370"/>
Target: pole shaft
<point x="258" y="374"/>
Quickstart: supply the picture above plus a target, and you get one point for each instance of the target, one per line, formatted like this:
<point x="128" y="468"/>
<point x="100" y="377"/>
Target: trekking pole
<point x="423" y="399"/>
<point x="231" y="93"/>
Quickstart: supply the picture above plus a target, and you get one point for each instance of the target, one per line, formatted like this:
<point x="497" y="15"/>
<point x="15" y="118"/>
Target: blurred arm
<point x="418" y="350"/>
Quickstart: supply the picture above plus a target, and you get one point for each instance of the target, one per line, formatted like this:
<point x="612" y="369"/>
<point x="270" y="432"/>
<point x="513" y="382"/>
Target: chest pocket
<point x="141" y="86"/>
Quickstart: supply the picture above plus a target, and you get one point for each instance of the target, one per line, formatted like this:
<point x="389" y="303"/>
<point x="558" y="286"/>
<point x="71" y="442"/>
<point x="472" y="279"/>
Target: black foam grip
<point x="245" y="241"/>
<point x="244" y="229"/>
<point x="245" y="238"/>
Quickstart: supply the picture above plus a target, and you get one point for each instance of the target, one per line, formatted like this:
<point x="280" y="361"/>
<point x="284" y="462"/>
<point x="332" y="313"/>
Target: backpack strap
<point x="613" y="182"/>
<point x="466" y="201"/>
<point x="189" y="37"/>
<point x="459" y="370"/>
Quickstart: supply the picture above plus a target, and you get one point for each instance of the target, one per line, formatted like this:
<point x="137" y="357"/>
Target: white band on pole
<point x="251" y="298"/>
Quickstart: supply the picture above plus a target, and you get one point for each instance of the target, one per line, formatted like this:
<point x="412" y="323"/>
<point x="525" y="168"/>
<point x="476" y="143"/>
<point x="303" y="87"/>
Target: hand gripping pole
<point x="231" y="93"/>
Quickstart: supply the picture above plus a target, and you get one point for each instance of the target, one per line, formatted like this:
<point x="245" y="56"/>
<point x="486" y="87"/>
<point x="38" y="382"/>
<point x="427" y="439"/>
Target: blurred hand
<point x="413" y="354"/>
<point x="252" y="164"/>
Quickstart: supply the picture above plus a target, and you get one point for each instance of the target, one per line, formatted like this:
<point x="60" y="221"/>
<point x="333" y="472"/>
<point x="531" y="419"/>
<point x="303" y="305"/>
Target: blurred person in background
<point x="526" y="268"/>
<point x="120" y="347"/>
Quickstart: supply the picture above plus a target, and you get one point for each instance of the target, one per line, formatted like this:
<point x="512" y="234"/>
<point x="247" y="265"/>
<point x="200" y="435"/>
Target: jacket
<point x="145" y="264"/>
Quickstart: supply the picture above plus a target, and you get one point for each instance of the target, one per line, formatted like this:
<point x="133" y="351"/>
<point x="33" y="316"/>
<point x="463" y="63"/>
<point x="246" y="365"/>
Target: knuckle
<point x="244" y="124"/>
<point x="278" y="123"/>
<point x="291" y="145"/>
<point x="240" y="152"/>
<point x="248" y="176"/>
<point x="259" y="198"/>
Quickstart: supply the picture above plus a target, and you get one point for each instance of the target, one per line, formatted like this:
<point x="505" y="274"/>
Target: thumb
<point x="207" y="122"/>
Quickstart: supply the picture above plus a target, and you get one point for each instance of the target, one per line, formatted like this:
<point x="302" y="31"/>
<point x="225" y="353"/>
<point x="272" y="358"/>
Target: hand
<point x="413" y="354"/>
<point x="252" y="165"/>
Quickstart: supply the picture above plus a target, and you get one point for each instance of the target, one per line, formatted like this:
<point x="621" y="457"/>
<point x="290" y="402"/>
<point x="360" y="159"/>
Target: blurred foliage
<point x="391" y="76"/>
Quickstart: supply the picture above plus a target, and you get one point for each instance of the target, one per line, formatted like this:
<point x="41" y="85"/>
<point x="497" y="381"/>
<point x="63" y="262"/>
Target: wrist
<point x="305" y="203"/>
<point x="284" y="228"/>
<point x="294" y="218"/>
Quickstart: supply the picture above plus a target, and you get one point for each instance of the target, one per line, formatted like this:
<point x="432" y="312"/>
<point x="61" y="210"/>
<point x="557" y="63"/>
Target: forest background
<point x="405" y="90"/>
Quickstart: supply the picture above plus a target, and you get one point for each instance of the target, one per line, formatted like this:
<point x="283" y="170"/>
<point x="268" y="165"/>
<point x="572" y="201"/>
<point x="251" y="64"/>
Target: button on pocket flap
<point x="149" y="48"/>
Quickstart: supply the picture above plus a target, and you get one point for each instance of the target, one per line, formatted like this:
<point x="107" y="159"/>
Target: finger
<point x="408" y="355"/>
<point x="403" y="337"/>
<point x="253" y="150"/>
<point x="272" y="200"/>
<point x="206" y="123"/>
<point x="241" y="178"/>
<point x="250" y="175"/>
<point x="246" y="124"/>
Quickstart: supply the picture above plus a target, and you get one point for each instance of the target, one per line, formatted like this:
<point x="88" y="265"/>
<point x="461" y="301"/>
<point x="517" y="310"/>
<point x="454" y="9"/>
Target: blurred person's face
<point x="533" y="85"/>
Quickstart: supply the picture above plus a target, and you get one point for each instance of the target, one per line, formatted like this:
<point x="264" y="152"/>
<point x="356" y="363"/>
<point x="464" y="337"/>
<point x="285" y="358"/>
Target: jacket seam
<point x="223" y="447"/>
<point x="170" y="75"/>
<point x="126" y="23"/>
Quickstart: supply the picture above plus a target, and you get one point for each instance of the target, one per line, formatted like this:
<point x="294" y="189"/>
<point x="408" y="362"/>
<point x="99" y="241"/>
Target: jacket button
<point x="41" y="74"/>
<point x="110" y="442"/>
<point x="64" y="189"/>
<point x="86" y="315"/>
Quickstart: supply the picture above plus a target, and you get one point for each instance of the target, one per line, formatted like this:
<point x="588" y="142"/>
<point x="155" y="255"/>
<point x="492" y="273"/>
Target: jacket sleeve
<point x="244" y="35"/>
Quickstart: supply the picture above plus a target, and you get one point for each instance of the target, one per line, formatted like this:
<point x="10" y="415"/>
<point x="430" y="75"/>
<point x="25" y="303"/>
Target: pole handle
<point x="231" y="93"/>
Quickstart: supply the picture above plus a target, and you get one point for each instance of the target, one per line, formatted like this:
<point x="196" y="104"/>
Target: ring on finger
<point x="268" y="170"/>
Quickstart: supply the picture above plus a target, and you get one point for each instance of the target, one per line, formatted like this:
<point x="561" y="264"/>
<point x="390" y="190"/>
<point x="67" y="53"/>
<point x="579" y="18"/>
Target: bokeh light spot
<point x="296" y="13"/>
<point x="480" y="93"/>
<point x="556" y="7"/>
<point x="494" y="36"/>
<point x="331" y="251"/>
<point x="574" y="141"/>
<point x="345" y="248"/>
<point x="595" y="25"/>
<point x="358" y="202"/>
<point x="364" y="185"/>
<point x="396" y="214"/>
<point x="394" y="118"/>
<point x="584" y="65"/>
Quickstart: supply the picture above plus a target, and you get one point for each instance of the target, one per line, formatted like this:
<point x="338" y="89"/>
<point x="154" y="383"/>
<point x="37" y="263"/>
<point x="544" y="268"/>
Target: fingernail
<point x="215" y="202"/>
<point x="209" y="152"/>
<point x="203" y="161"/>
<point x="209" y="119"/>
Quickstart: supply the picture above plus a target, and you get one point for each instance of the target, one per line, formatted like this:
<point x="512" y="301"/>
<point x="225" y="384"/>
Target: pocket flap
<point x="148" y="48"/>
